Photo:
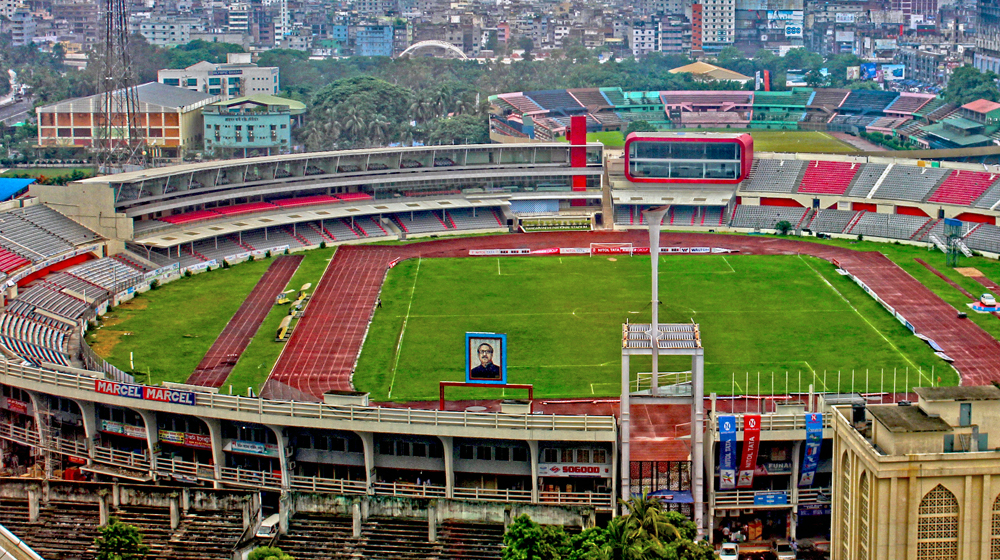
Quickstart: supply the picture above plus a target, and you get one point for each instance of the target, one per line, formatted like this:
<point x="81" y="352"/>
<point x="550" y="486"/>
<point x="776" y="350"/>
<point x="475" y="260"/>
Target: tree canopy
<point x="968" y="84"/>
<point x="268" y="553"/>
<point x="120" y="541"/>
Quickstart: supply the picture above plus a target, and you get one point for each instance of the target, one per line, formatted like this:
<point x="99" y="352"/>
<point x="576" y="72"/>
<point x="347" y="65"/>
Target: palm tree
<point x="622" y="545"/>
<point x="647" y="518"/>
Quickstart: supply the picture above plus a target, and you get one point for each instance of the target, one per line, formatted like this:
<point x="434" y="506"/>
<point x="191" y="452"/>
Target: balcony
<point x="124" y="459"/>
<point x="409" y="490"/>
<point x="328" y="485"/>
<point x="600" y="500"/>
<point x="490" y="494"/>
<point x="253" y="479"/>
<point x="736" y="499"/>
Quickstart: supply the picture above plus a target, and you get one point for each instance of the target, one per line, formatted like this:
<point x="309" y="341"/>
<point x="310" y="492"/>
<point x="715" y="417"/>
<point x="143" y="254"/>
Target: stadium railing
<point x="490" y="494"/>
<point x="778" y="422"/>
<point x="734" y="499"/>
<point x="85" y="382"/>
<point x="108" y="455"/>
<point x="328" y="485"/>
<point x="408" y="489"/>
<point x="598" y="499"/>
<point x="253" y="479"/>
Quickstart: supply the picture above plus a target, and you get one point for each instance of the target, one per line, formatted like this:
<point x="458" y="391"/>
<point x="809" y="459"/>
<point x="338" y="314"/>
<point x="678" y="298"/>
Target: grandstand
<point x="774" y="175"/>
<point x="828" y="177"/>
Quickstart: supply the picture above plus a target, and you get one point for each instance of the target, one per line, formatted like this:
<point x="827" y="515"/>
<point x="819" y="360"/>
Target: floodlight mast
<point x="653" y="218"/>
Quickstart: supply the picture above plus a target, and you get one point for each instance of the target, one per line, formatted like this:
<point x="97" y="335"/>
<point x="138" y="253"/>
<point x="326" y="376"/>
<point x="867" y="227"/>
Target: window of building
<point x="995" y="533"/>
<point x="550" y="456"/>
<point x="567" y="456"/>
<point x="937" y="525"/>
<point x="465" y="452"/>
<point x="863" y="489"/>
<point x="192" y="82"/>
<point x="484" y="453"/>
<point x="214" y="81"/>
<point x="502" y="453"/>
<point x="582" y="455"/>
<point x="845" y="514"/>
<point x="172" y="81"/>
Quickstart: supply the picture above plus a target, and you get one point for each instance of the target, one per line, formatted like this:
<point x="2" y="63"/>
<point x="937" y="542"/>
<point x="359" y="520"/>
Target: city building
<point x="987" y="57"/>
<point x="260" y="123"/>
<point x="237" y="77"/>
<point x="645" y="37"/>
<point x="22" y="27"/>
<point x="718" y="24"/>
<point x="918" y="480"/>
<point x="374" y="40"/>
<point x="170" y="31"/>
<point x="170" y="116"/>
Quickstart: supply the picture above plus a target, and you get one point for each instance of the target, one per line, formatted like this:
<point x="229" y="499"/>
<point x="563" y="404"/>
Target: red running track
<point x="326" y="343"/>
<point x="233" y="340"/>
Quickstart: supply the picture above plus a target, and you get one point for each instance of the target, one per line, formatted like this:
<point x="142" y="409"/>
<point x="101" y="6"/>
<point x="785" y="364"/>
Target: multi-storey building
<point x="260" y="123"/>
<point x="374" y="40"/>
<point x="718" y="24"/>
<point x="675" y="35"/>
<point x="987" y="56"/>
<point x="164" y="31"/>
<point x="645" y="37"/>
<point x="170" y="119"/>
<point x="80" y="18"/>
<point x="237" y="77"/>
<point x="918" y="480"/>
<point x="22" y="27"/>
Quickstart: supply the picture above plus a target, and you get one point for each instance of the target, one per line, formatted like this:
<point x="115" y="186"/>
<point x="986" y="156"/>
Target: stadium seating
<point x="623" y="215"/>
<point x="474" y="541"/>
<point x="306" y="201"/>
<point x="220" y="247"/>
<point x="904" y="182"/>
<point x="319" y="537"/>
<point x="681" y="215"/>
<point x="828" y="177"/>
<point x="520" y="103"/>
<point x="188" y="217"/>
<point x="713" y="216"/>
<point x="41" y="296"/>
<point x="106" y="273"/>
<point x="56" y="224"/>
<point x="206" y="534"/>
<point x="832" y="221"/>
<point x="395" y="539"/>
<point x="765" y="217"/>
<point x="64" y="530"/>
<point x="866" y="179"/>
<point x="555" y="100"/>
<point x="868" y="101"/>
<point x="29" y="240"/>
<point x="589" y="97"/>
<point x="614" y="95"/>
<point x="358" y="195"/>
<point x="990" y="198"/>
<point x="485" y="218"/>
<point x="274" y="237"/>
<point x="963" y="187"/>
<point x="893" y="226"/>
<point x="11" y="261"/>
<point x="986" y="237"/>
<point x="774" y="175"/>
<point x="829" y="98"/>
<point x="246" y="208"/>
<point x="419" y="222"/>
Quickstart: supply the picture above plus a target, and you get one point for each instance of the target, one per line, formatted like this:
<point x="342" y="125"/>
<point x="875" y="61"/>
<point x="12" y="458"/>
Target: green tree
<point x="968" y="84"/>
<point x="783" y="227"/>
<point x="588" y="544"/>
<point x="268" y="553"/>
<point x="647" y="519"/>
<point x="816" y="79"/>
<point x="461" y="129"/>
<point x="864" y="85"/>
<point x="525" y="43"/>
<point x="120" y="541"/>
<point x="639" y="126"/>
<point x="527" y="540"/>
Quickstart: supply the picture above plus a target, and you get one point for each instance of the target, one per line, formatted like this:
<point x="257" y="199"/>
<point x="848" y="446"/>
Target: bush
<point x="187" y="273"/>
<point x="267" y="255"/>
<point x="322" y="244"/>
<point x="154" y="285"/>
<point x="861" y="237"/>
<point x="225" y="263"/>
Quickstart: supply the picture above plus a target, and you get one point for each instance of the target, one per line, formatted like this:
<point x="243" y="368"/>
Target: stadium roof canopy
<point x="706" y="71"/>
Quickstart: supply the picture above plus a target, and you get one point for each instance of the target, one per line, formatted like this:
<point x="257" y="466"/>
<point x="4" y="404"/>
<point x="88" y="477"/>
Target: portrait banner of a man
<point x="485" y="358"/>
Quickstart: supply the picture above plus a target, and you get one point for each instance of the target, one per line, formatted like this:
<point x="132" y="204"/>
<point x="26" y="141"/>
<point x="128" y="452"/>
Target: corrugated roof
<point x="150" y="94"/>
<point x="710" y="71"/>
<point x="295" y="107"/>
<point x="982" y="106"/>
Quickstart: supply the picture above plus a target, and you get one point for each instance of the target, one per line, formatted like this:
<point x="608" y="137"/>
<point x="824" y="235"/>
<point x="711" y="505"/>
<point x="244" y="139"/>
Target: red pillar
<point x="578" y="153"/>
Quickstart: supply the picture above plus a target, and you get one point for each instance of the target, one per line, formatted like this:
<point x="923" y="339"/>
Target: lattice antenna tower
<point x="121" y="144"/>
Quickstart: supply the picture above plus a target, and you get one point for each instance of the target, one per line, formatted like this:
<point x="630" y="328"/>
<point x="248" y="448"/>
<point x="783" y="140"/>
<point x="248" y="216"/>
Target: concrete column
<point x="698" y="439"/>
<point x="283" y="458"/>
<point x="448" y="443"/>
<point x="34" y="499"/>
<point x="710" y="483"/>
<point x="794" y="490"/>
<point x="533" y="450"/>
<point x="626" y="470"/>
<point x="89" y="412"/>
<point x="40" y="406"/>
<point x="431" y="524"/>
<point x="356" y="518"/>
<point x="175" y="512"/>
<point x="152" y="436"/>
<point x="285" y="511"/>
<point x="116" y="495"/>
<point x="186" y="499"/>
<point x="103" y="510"/>
<point x="218" y="455"/>
<point x="368" y="441"/>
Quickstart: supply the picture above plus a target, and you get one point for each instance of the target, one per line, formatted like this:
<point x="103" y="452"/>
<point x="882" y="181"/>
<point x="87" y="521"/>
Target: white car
<point x="729" y="551"/>
<point x="988" y="300"/>
<point x="782" y="550"/>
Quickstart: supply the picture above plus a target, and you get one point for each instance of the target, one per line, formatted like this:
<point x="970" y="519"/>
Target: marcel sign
<point x="143" y="392"/>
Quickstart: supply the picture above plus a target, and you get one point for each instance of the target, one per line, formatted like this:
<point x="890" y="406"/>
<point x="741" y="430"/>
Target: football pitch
<point x="769" y="324"/>
<point x="805" y="141"/>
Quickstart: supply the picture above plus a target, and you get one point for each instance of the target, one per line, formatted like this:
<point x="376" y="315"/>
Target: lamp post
<point x="653" y="218"/>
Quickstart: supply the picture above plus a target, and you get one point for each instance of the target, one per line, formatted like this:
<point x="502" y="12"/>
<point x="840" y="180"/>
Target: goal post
<point x="610" y="249"/>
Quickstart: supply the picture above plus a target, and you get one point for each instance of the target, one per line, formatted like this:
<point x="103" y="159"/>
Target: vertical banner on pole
<point x="727" y="452"/>
<point x="814" y="440"/>
<point x="751" y="443"/>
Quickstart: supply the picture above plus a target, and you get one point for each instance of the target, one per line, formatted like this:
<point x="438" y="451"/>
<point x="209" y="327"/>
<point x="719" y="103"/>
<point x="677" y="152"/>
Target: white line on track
<point x="725" y="260"/>
<point x="863" y="318"/>
<point x="409" y="306"/>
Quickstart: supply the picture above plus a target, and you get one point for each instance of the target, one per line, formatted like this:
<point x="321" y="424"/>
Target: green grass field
<point x="763" y="140"/>
<point x="169" y="330"/>
<point x="562" y="315"/>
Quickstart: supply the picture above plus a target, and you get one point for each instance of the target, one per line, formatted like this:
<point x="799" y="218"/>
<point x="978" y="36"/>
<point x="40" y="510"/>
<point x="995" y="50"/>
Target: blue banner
<point x="727" y="452"/>
<point x="814" y="441"/>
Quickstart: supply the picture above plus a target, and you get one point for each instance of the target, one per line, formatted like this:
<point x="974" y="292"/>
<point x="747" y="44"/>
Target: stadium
<point x="349" y="435"/>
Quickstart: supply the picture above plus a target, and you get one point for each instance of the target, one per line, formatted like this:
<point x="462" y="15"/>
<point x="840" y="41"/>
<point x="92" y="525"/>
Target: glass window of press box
<point x="684" y="160"/>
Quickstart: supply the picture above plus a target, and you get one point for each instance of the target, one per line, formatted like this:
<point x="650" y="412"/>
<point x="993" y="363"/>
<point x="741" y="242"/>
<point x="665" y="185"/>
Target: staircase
<point x="384" y="538"/>
<point x="854" y="221"/>
<point x="206" y="535"/>
<point x="377" y="224"/>
<point x="925" y="230"/>
<point x="324" y="233"/>
<point x="356" y="227"/>
<point x="196" y="254"/>
<point x="153" y="523"/>
<point x="236" y="239"/>
<point x="472" y="541"/>
<point x="450" y="221"/>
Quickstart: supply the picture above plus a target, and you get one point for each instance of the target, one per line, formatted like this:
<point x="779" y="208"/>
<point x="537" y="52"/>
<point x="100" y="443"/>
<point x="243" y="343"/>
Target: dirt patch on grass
<point x="111" y="321"/>
<point x="105" y="341"/>
<point x="136" y="304"/>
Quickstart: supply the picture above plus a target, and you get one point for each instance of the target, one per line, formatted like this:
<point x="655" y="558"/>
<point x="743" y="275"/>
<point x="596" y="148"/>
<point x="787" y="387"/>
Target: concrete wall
<point x="459" y="510"/>
<point x="91" y="204"/>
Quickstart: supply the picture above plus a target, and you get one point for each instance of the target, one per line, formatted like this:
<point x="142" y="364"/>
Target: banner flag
<point x="751" y="443"/>
<point x="727" y="452"/>
<point x="814" y="441"/>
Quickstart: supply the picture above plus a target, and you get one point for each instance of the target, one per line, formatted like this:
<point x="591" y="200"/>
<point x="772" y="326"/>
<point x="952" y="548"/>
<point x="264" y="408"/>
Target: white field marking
<point x="518" y="314"/>
<point x="605" y="364"/>
<point x="863" y="318"/>
<point x="399" y="344"/>
<point x="498" y="267"/>
<point x="725" y="260"/>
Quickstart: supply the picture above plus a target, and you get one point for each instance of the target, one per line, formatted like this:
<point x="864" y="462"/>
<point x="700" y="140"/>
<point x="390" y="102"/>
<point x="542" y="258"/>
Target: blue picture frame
<point x="492" y="372"/>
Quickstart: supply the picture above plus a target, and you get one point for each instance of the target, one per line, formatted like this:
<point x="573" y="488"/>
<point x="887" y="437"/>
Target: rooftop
<point x="982" y="106"/>
<point x="904" y="419"/>
<point x="938" y="394"/>
<point x="295" y="107"/>
<point x="705" y="70"/>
